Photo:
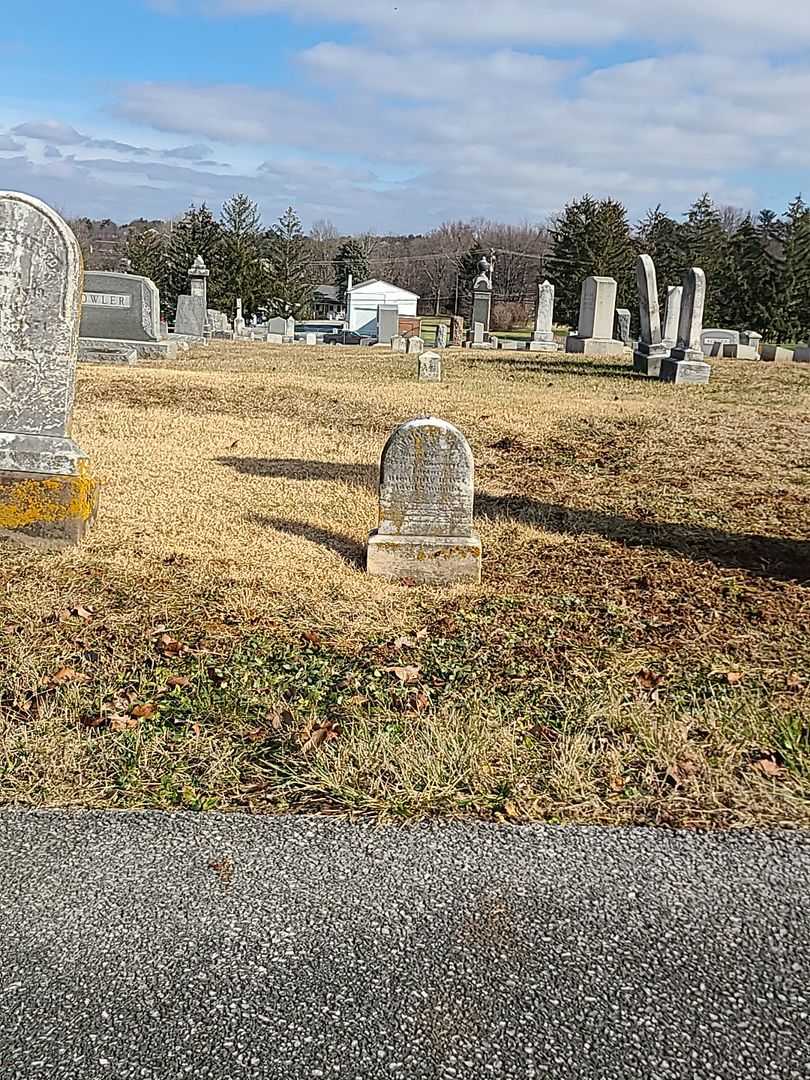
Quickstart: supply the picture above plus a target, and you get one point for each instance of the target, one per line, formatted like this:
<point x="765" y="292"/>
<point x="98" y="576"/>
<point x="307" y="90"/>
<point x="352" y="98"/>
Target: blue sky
<point x="398" y="116"/>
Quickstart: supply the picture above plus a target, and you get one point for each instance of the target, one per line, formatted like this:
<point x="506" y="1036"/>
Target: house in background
<point x="362" y="301"/>
<point x="325" y="303"/>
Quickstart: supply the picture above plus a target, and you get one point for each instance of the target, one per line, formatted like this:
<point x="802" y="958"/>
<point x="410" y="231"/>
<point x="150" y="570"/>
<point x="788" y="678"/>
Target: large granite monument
<point x="47" y="492"/>
<point x="597" y="310"/>
<point x="650" y="350"/>
<point x="425" y="532"/>
<point x="543" y="335"/>
<point x="121" y="312"/>
<point x="686" y="365"/>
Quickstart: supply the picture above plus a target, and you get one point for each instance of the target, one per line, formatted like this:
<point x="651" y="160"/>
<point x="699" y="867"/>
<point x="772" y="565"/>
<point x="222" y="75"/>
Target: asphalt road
<point x="151" y="946"/>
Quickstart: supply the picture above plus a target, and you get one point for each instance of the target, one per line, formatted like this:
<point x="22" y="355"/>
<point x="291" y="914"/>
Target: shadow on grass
<point x="532" y="362"/>
<point x="357" y="475"/>
<point x="347" y="547"/>
<point x="764" y="555"/>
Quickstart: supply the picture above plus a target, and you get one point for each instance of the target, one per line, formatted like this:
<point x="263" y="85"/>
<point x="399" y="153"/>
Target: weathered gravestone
<point x="686" y="365"/>
<point x="623" y="319"/>
<point x="387" y="323"/>
<point x="543" y="335"/>
<point x="415" y="345"/>
<point x="277" y="325"/>
<point x="650" y="350"/>
<point x="399" y="344"/>
<point x="192" y="313"/>
<point x="456" y="331"/>
<point x="441" y="336"/>
<point x="430" y="367"/>
<point x="289" y="329"/>
<point x="425" y="532"/>
<point x="47" y="492"/>
<point x="597" y="308"/>
<point x="672" y="316"/>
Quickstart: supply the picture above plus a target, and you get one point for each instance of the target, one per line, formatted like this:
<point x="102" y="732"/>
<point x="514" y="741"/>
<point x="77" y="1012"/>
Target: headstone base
<point x="429" y="560"/>
<point x="647" y="359"/>
<point x="48" y="495"/>
<point x="113" y="355"/>
<point x="685" y="367"/>
<point x="741" y="352"/>
<point x="593" y="346"/>
<point x="479" y="345"/>
<point x="544" y="346"/>
<point x="146" y="350"/>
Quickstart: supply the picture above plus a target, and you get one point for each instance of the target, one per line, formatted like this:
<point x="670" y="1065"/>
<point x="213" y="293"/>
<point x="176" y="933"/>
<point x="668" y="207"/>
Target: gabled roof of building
<point x="388" y="284"/>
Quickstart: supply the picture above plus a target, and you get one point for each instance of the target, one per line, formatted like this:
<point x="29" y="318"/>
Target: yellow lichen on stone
<point x="46" y="500"/>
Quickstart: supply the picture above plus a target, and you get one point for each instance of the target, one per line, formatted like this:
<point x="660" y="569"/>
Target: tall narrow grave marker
<point x="686" y="364"/>
<point x="650" y="350"/>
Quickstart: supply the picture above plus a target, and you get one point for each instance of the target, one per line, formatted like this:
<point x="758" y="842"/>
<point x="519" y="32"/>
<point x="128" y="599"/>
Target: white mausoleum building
<point x="363" y="299"/>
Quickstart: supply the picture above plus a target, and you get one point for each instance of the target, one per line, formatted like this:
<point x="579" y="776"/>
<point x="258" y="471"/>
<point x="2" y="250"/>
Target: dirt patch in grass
<point x="638" y="651"/>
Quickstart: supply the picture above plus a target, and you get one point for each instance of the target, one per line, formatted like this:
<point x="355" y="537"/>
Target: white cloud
<point x="746" y="24"/>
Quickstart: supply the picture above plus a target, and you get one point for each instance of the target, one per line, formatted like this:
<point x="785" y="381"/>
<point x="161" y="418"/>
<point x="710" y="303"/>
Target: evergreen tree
<point x="771" y="232"/>
<point x="795" y="288"/>
<point x="146" y="251"/>
<point x="614" y="251"/>
<point x="573" y="257"/>
<point x="591" y="237"/>
<point x="350" y="259"/>
<point x="197" y="232"/>
<point x="659" y="236"/>
<point x="467" y="264"/>
<point x="742" y="303"/>
<point x="243" y="271"/>
<point x="706" y="245"/>
<point x="289" y="268"/>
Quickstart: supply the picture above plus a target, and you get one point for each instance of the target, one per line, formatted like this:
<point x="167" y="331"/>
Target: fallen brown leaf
<point x="406" y="675"/>
<point x="65" y="675"/>
<point x="124" y="723"/>
<point x="83" y="613"/>
<point x="794" y="681"/>
<point x="145" y="711"/>
<point x="768" y="767"/>
<point x="178" y="681"/>
<point x="733" y="677"/>
<point x="326" y="732"/>
<point x="223" y="868"/>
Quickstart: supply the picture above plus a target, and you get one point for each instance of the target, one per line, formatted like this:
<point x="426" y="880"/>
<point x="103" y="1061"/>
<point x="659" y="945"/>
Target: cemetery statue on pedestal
<point x="47" y="492"/>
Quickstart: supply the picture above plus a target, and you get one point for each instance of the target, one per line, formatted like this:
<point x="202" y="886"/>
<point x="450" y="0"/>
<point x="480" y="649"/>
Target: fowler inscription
<point x="106" y="300"/>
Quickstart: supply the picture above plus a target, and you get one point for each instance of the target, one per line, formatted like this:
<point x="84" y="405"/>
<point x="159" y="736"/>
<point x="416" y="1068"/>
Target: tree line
<point x="757" y="266"/>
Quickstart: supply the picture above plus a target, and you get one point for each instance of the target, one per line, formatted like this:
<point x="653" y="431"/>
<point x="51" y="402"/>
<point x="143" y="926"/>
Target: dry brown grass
<point x="643" y="545"/>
